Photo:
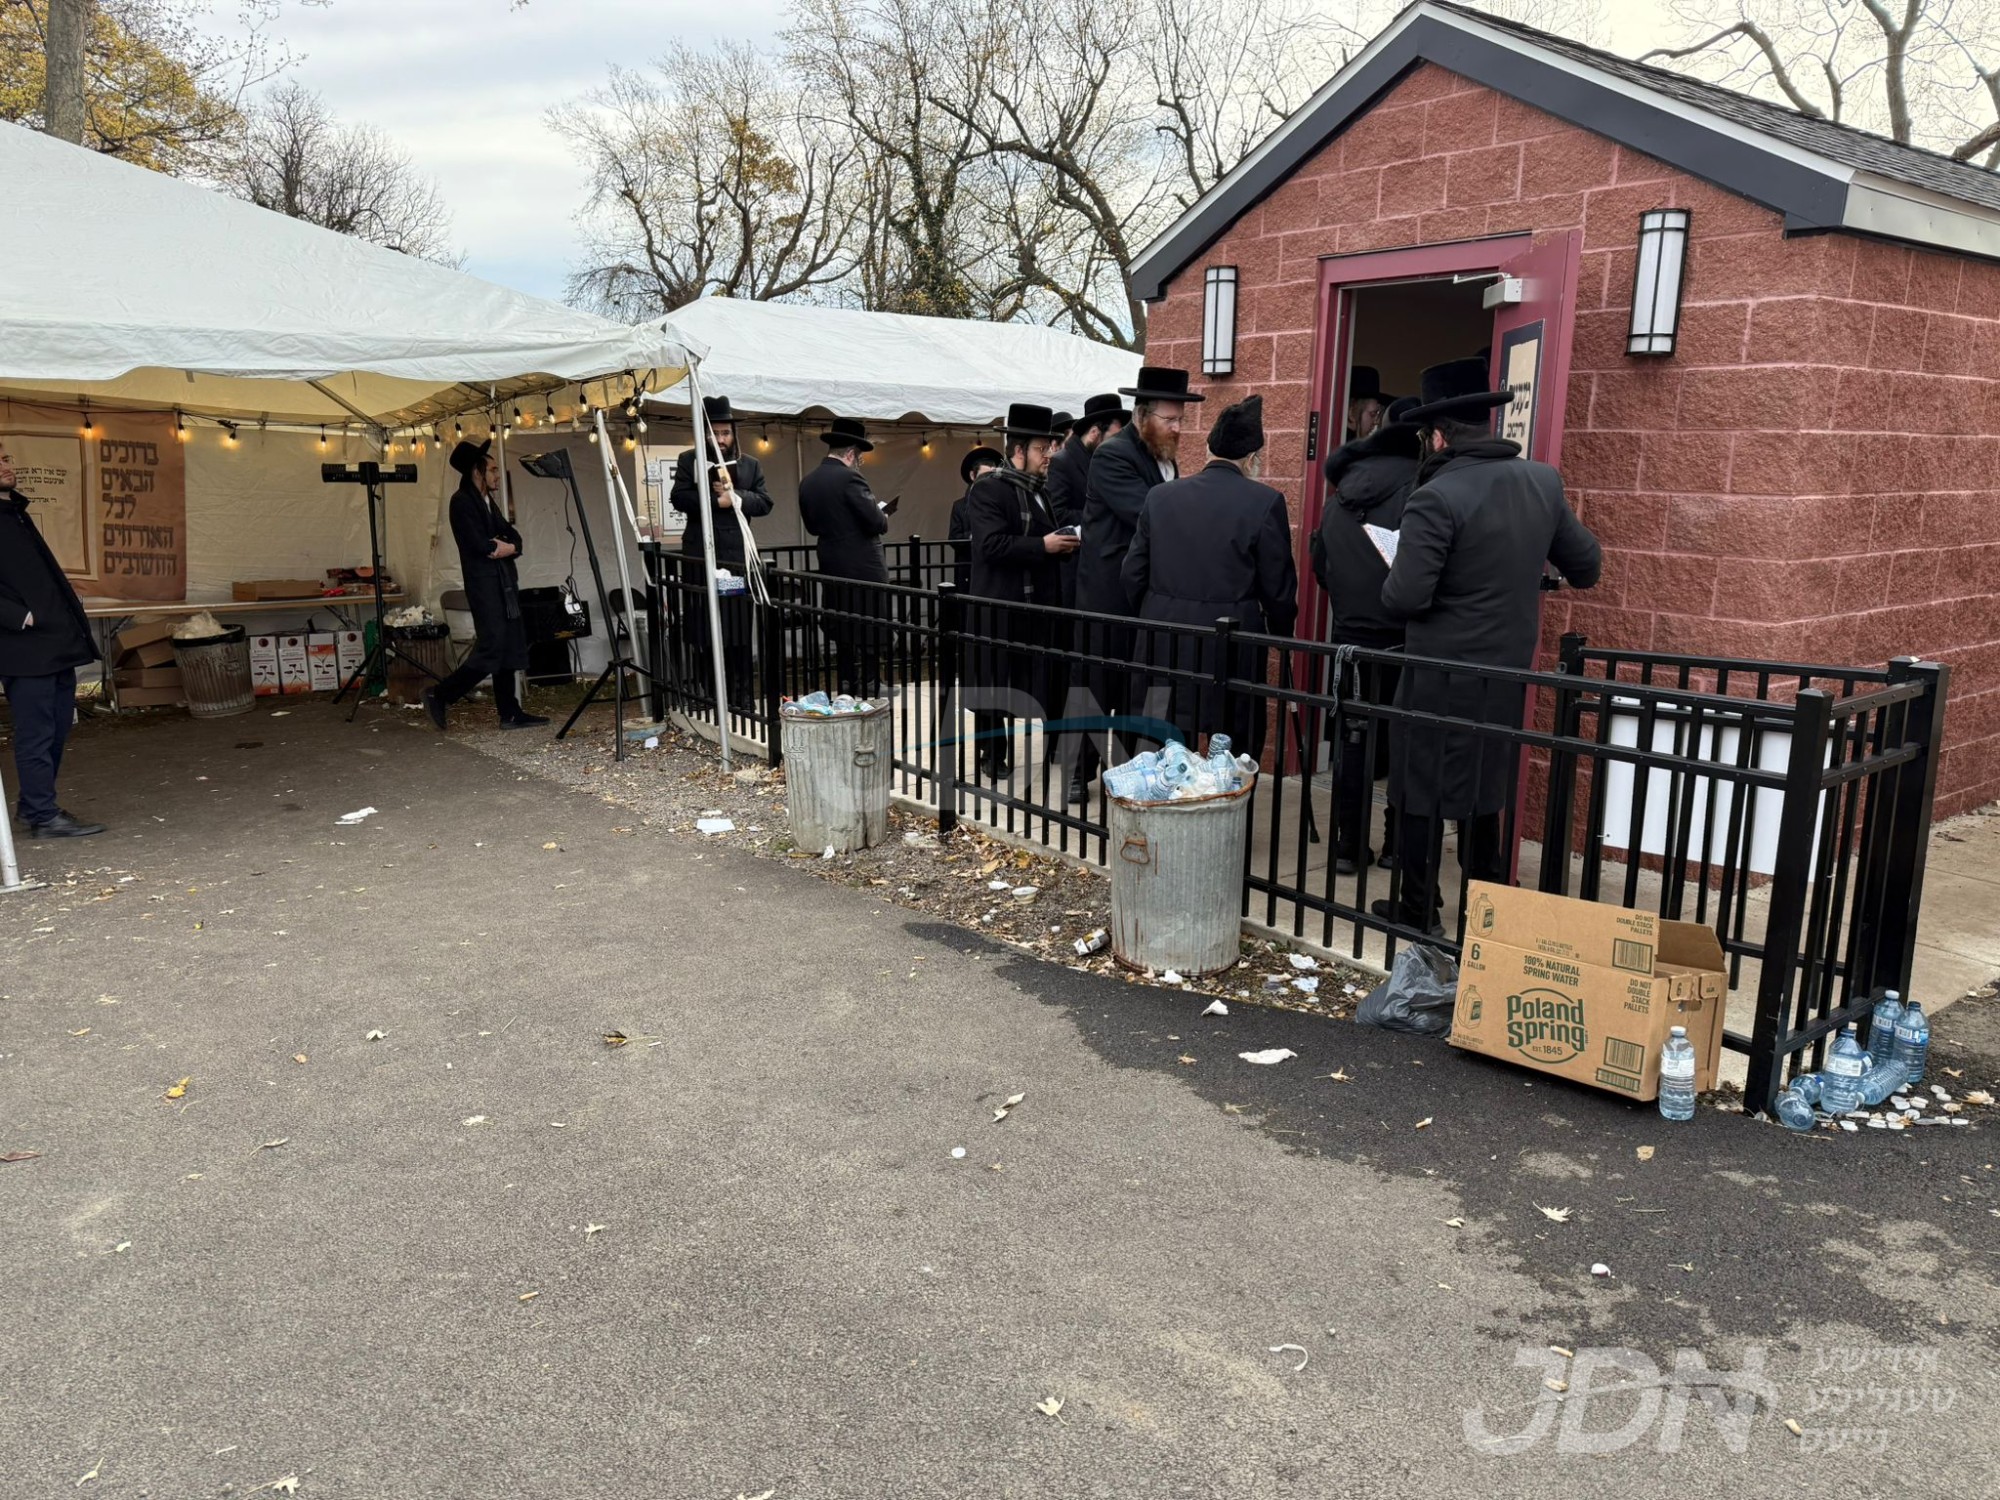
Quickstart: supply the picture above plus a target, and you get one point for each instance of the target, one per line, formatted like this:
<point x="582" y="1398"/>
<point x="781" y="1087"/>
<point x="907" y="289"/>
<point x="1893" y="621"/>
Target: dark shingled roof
<point x="1850" y="146"/>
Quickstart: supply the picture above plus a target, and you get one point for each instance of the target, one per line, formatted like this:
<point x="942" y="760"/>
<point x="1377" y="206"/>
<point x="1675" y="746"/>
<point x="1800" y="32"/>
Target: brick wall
<point x="1814" y="475"/>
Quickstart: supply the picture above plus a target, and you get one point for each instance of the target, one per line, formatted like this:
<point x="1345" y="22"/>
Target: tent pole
<point x="698" y="416"/>
<point x="10" y="869"/>
<point x="614" y="493"/>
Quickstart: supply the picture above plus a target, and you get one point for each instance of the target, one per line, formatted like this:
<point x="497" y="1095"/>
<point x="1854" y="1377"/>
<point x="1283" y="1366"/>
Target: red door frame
<point x="1339" y="276"/>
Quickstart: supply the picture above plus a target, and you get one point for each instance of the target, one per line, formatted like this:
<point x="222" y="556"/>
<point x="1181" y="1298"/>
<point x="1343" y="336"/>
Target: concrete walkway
<point x="485" y="1254"/>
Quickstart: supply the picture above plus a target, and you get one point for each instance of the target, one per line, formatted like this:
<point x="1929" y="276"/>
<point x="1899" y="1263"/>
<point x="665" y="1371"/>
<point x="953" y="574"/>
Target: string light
<point x="322" y="437"/>
<point x="458" y="430"/>
<point x="180" y="429"/>
<point x="549" y="411"/>
<point x="640" y="424"/>
<point x="763" y="440"/>
<point x="229" y="434"/>
<point x="89" y="424"/>
<point x="926" y="448"/>
<point x="524" y="421"/>
<point x="593" y="434"/>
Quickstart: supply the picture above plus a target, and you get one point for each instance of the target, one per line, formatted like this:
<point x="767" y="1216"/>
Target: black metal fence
<point x="1787" y="806"/>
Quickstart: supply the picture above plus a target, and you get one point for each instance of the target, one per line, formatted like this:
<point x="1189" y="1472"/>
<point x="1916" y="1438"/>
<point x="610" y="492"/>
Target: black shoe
<point x="63" y="826"/>
<point x="1079" y="792"/>
<point x="525" y="721"/>
<point x="434" y="706"/>
<point x="1392" y="911"/>
<point x="1351" y="864"/>
<point x="1386" y="860"/>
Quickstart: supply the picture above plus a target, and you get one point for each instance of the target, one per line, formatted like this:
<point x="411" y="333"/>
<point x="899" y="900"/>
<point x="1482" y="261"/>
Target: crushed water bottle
<point x="1878" y="1081"/>
<point x="815" y="702"/>
<point x="1882" y="1026"/>
<point x="1797" y="1106"/>
<point x="1913" y="1044"/>
<point x="1677" y="1076"/>
<point x="1840" y="1089"/>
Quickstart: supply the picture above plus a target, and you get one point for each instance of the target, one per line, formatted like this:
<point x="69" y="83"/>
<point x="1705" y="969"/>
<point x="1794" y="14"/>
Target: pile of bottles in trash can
<point x="1176" y="774"/>
<point x="1858" y="1080"/>
<point x="817" y="705"/>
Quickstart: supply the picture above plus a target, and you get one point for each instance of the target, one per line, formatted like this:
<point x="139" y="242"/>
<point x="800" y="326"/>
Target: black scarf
<point x="1479" y="448"/>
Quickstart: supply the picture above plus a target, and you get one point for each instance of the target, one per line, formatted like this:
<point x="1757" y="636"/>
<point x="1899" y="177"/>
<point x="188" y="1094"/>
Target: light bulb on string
<point x="180" y="428"/>
<point x="549" y="412"/>
<point x="640" y="424"/>
<point x="89" y="424"/>
<point x="322" y="437"/>
<point x="458" y="430"/>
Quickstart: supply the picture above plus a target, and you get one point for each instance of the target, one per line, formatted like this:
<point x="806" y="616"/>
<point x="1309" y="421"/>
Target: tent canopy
<point x="782" y="359"/>
<point x="126" y="288"/>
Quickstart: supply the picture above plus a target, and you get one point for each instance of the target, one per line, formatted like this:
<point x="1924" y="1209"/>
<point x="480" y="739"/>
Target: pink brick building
<point x="1813" y="472"/>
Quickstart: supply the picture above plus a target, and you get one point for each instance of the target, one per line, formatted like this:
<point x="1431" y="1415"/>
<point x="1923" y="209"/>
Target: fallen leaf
<point x="1186" y="1061"/>
<point x="1454" y="1223"/>
<point x="84" y="1032"/>
<point x="20" y="1156"/>
<point x="1341" y="1075"/>
<point x="91" y="1475"/>
<point x="179" y="1090"/>
<point x="1559" y="1215"/>
<point x="1423" y="1124"/>
<point x="551" y="846"/>
<point x="1050" y="1407"/>
<point x="282" y="1140"/>
<point x="1014" y="1100"/>
<point x="1645" y="1153"/>
<point x="590" y="1229"/>
<point x="1792" y="1425"/>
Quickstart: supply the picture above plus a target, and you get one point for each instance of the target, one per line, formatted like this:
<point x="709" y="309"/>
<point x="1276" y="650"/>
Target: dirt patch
<point x="1039" y="903"/>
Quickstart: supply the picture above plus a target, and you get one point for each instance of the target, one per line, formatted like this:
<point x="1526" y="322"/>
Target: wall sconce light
<point x="1218" y="322"/>
<point x="1656" y="283"/>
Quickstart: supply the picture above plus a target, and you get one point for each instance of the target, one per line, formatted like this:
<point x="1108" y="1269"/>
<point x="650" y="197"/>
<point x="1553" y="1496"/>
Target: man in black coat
<point x="1068" y="491"/>
<point x="736" y="487"/>
<point x="44" y="638"/>
<point x="1367" y="482"/>
<point x="979" y="462"/>
<point x="1216" y="545"/>
<point x="839" y="509"/>
<point x="1017" y="544"/>
<point x="1124" y="469"/>
<point x="1467" y="581"/>
<point x="488" y="545"/>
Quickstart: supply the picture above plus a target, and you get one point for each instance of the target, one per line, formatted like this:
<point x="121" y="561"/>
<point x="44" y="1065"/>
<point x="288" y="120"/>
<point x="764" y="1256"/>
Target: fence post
<point x="913" y="562"/>
<point x="1559" y="805"/>
<point x="1910" y="824"/>
<point x="948" y="618"/>
<point x="1225" y="661"/>
<point x="771" y="676"/>
<point x="1791" y="889"/>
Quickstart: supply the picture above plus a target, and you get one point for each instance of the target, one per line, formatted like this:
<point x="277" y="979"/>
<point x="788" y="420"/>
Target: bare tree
<point x="706" y="178"/>
<point x="1923" y="72"/>
<point x="299" y="160"/>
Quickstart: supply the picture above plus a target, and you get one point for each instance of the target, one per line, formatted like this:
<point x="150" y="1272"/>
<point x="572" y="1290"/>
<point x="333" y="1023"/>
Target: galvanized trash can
<point x="837" y="778"/>
<point x="215" y="673"/>
<point x="1177" y="881"/>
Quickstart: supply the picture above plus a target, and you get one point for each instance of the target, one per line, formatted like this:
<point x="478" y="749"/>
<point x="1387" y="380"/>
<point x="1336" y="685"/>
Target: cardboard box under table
<point x="1587" y="990"/>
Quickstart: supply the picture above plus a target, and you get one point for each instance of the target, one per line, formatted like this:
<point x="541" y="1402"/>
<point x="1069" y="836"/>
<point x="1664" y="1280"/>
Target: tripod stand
<point x="555" y="464"/>
<point x="374" y="476"/>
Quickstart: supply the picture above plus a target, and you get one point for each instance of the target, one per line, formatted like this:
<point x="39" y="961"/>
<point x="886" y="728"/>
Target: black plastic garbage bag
<point x="1417" y="996"/>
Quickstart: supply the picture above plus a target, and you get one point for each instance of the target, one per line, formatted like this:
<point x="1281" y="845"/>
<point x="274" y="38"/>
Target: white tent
<point x="126" y="288"/>
<point x="783" y="359"/>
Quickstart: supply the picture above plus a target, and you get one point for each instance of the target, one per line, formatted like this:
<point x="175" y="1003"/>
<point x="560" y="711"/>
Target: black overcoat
<point x="32" y="582"/>
<point x="959" y="533"/>
<point x="1068" y="490"/>
<point x="1467" y="583"/>
<point x="492" y="585"/>
<point x="1122" y="473"/>
<point x="1008" y="515"/>
<point x="1371" y="479"/>
<point x="840" y="510"/>
<point x="1214" y="545"/>
<point x="752" y="497"/>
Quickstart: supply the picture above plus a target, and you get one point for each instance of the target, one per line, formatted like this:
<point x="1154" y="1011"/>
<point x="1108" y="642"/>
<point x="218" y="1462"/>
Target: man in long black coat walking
<point x="840" y="509"/>
<point x="1216" y="545"/>
<point x="1124" y="469"/>
<point x="1017" y="545"/>
<point x="44" y="637"/>
<point x="1467" y="582"/>
<point x="736" y="488"/>
<point x="1368" y="481"/>
<point x="488" y="546"/>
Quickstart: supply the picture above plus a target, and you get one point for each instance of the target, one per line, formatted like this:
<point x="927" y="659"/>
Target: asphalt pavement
<point x="484" y="1253"/>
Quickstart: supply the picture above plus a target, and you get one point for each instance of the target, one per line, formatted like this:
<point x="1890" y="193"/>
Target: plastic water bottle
<point x="1840" y="1084"/>
<point x="1878" y="1081"/>
<point x="1882" y="1026"/>
<point x="1796" y="1106"/>
<point x="1913" y="1043"/>
<point x="1677" y="1076"/>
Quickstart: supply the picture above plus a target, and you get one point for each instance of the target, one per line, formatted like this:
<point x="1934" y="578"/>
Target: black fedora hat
<point x="469" y="455"/>
<point x="1158" y="383"/>
<point x="1061" y="422"/>
<point x="1364" y="383"/>
<point x="847" y="433"/>
<point x="1455" y="391"/>
<point x="1025" y="421"/>
<point x="717" y="409"/>
<point x="1101" y="411"/>
<point x="980" y="458"/>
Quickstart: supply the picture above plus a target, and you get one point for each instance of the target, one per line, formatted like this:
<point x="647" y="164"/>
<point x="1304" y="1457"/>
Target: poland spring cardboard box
<point x="1586" y="990"/>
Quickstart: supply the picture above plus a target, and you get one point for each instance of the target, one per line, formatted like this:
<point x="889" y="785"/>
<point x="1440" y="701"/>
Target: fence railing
<point x="1785" y="805"/>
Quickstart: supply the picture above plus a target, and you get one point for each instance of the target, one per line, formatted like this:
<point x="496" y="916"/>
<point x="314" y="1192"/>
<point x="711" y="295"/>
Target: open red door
<point x="1531" y="339"/>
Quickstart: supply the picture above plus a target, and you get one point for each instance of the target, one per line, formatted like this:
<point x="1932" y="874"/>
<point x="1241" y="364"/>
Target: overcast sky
<point x="463" y="86"/>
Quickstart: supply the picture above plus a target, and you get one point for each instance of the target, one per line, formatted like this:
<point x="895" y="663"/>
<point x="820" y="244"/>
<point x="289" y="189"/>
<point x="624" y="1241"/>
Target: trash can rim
<point x="1136" y="805"/>
<point x="230" y="635"/>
